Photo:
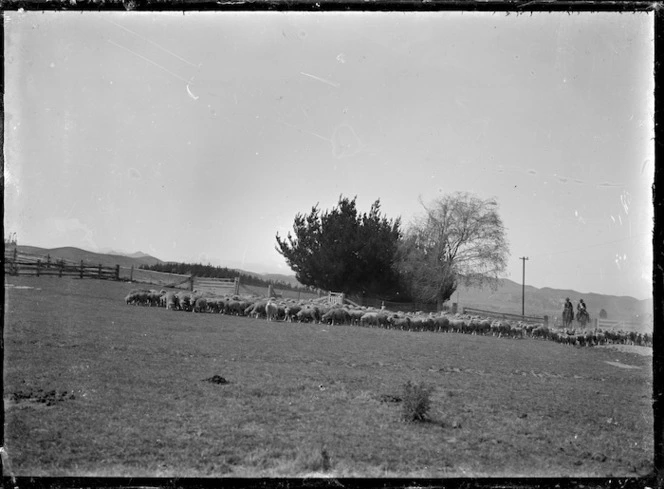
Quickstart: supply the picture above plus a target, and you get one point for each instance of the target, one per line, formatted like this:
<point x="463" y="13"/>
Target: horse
<point x="568" y="316"/>
<point x="583" y="317"/>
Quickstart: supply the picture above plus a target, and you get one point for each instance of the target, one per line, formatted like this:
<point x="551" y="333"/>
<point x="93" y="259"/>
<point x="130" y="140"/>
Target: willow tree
<point x="459" y="239"/>
<point x="343" y="250"/>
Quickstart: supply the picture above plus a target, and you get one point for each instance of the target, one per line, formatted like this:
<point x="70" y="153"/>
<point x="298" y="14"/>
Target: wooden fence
<point x="336" y="297"/>
<point x="218" y="286"/>
<point x="621" y="325"/>
<point x="60" y="268"/>
<point x="505" y="315"/>
<point x="17" y="263"/>
<point x="160" y="279"/>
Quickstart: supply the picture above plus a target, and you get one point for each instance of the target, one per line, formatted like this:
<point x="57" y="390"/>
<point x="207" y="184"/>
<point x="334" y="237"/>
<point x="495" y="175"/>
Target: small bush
<point x="416" y="401"/>
<point x="313" y="460"/>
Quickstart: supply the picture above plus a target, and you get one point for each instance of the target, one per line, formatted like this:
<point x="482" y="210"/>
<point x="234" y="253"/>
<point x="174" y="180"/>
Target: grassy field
<point x="98" y="388"/>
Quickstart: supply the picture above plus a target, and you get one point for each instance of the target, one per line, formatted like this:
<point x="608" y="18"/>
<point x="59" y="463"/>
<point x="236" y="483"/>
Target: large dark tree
<point x="459" y="239"/>
<point x="344" y="251"/>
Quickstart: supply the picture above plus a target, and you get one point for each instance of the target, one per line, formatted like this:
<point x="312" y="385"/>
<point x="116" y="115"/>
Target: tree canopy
<point x="460" y="238"/>
<point x="343" y="250"/>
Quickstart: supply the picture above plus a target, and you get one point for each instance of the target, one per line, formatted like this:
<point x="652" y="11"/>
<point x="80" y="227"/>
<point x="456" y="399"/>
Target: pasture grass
<point x="302" y="399"/>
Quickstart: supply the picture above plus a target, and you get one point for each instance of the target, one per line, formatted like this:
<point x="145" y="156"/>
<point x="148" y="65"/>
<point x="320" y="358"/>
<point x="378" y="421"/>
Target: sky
<point x="199" y="137"/>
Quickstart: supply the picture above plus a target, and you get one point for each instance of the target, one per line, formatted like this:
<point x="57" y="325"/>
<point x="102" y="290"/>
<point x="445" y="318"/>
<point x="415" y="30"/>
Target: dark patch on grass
<point x="216" y="379"/>
<point x="389" y="398"/>
<point x="50" y="398"/>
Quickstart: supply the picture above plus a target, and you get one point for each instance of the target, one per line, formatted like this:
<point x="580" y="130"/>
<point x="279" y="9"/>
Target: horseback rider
<point x="581" y="306"/>
<point x="581" y="309"/>
<point x="568" y="313"/>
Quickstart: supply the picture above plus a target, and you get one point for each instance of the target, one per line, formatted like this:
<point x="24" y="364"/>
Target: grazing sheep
<point x="335" y="316"/>
<point x="172" y="302"/>
<point x="355" y="315"/>
<point x="184" y="300"/>
<point x="308" y="314"/>
<point x="236" y="307"/>
<point x="290" y="312"/>
<point x="271" y="311"/>
<point x="200" y="305"/>
<point x="256" y="310"/>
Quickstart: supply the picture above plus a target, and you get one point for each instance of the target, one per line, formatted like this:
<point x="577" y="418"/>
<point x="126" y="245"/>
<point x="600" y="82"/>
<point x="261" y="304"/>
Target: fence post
<point x="237" y="285"/>
<point x="117" y="272"/>
<point x="81" y="269"/>
<point x="100" y="270"/>
<point x="38" y="266"/>
<point x="546" y="320"/>
<point x="62" y="265"/>
<point x="191" y="282"/>
<point x="131" y="274"/>
<point x="48" y="261"/>
<point x="15" y="261"/>
<point x="270" y="291"/>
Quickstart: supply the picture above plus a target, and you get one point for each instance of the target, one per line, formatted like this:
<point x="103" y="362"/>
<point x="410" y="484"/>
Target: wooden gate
<point x="217" y="286"/>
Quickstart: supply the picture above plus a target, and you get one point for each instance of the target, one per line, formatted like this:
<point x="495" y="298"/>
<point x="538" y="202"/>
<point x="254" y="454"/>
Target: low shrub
<point x="313" y="460"/>
<point x="416" y="401"/>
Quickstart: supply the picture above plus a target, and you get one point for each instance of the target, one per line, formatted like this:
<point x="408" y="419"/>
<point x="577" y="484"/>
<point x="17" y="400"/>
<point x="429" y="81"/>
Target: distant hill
<point x="274" y="277"/>
<point x="548" y="301"/>
<point x="70" y="253"/>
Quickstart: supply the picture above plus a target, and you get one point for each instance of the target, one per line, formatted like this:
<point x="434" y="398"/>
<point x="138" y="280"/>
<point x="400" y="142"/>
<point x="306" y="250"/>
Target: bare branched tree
<point x="460" y="238"/>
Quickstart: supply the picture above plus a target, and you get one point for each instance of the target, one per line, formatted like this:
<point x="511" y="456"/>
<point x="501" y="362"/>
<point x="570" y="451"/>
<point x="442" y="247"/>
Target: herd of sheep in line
<point x="320" y="311"/>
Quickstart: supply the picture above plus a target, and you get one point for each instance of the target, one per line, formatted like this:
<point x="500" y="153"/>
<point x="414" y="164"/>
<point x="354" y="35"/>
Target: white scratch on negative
<point x="306" y="132"/>
<point x="331" y="83"/>
<point x="189" y="91"/>
<point x="154" y="44"/>
<point x="149" y="61"/>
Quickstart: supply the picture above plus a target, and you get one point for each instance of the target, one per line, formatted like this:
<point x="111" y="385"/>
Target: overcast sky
<point x="198" y="137"/>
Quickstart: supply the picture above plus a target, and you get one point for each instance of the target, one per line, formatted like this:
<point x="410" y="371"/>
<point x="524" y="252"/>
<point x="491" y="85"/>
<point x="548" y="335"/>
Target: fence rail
<point x="60" y="268"/>
<point x="216" y="285"/>
<point x="336" y="297"/>
<point x="613" y="324"/>
<point x="160" y="279"/>
<point x="505" y="315"/>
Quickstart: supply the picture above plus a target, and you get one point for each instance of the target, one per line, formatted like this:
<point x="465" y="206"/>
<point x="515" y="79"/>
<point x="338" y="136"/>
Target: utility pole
<point x="523" y="287"/>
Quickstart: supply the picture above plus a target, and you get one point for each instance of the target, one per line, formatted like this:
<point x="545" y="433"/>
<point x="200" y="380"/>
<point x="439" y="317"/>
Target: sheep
<point x="200" y="305"/>
<point x="216" y="305"/>
<point x="335" y="315"/>
<point x="442" y="323"/>
<point x="308" y="314"/>
<point x="271" y="311"/>
<point x="184" y="300"/>
<point x="257" y="309"/>
<point x="355" y="315"/>
<point x="291" y="311"/>
<point x="236" y="307"/>
<point x="401" y="322"/>
<point x="172" y="302"/>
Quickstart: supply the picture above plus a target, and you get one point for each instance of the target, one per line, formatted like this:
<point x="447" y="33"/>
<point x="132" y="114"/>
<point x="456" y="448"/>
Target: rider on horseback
<point x="582" y="312"/>
<point x="568" y="313"/>
<point x="581" y="306"/>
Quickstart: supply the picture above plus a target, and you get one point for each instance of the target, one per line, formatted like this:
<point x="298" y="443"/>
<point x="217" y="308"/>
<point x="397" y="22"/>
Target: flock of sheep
<point x="320" y="311"/>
